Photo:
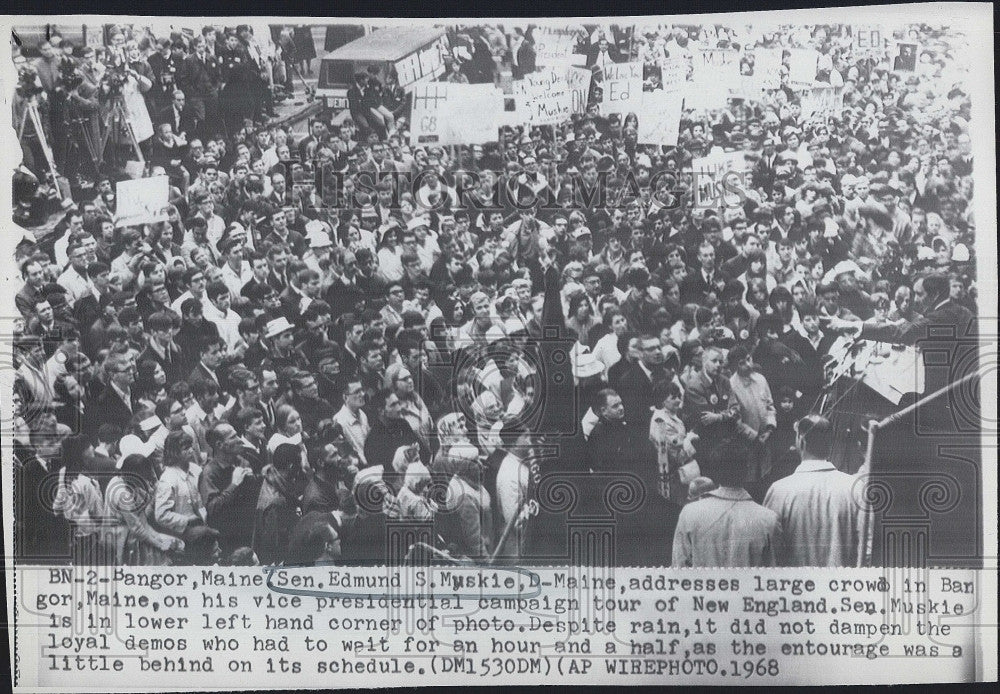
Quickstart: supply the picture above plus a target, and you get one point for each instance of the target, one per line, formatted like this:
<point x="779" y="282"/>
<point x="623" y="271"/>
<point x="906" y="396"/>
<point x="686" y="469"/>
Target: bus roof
<point x="388" y="44"/>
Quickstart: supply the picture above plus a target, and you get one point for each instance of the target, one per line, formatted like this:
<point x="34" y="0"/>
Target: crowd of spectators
<point x="337" y="330"/>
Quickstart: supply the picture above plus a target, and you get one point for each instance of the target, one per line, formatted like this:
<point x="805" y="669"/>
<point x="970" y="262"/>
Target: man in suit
<point x="704" y="282"/>
<point x="211" y="351"/>
<point x="945" y="326"/>
<point x="764" y="169"/>
<point x="181" y="116"/>
<point x="636" y="384"/>
<point x="199" y="78"/>
<point x="161" y="347"/>
<point x="115" y="405"/>
<point x="168" y="152"/>
<point x="603" y="53"/>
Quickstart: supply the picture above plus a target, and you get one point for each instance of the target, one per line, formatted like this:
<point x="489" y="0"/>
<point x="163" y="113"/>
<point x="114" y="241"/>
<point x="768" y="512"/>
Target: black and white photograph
<point x="632" y="292"/>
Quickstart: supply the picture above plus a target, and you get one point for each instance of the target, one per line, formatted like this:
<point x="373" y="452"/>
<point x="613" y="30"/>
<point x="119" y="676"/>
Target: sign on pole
<point x="543" y="96"/>
<point x="142" y="201"/>
<point x="578" y="83"/>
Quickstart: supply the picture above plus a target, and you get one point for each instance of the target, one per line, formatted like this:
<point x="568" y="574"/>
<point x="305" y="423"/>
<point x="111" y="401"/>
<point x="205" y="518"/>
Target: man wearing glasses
<point x="115" y="404"/>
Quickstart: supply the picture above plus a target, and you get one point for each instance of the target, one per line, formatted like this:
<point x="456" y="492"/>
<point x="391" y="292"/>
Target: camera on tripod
<point x="69" y="77"/>
<point x="116" y="72"/>
<point x="28" y="84"/>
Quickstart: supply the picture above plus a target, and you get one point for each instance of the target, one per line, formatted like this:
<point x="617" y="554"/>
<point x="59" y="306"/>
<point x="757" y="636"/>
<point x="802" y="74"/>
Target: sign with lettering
<point x="660" y="117"/>
<point x="719" y="179"/>
<point x="542" y="97"/>
<point x="578" y="83"/>
<point x="554" y="46"/>
<point x="673" y="73"/>
<point x="423" y="65"/>
<point x="867" y="41"/>
<point x="621" y="87"/>
<point x="767" y="68"/>
<point x="142" y="201"/>
<point x="715" y="72"/>
<point x="446" y="113"/>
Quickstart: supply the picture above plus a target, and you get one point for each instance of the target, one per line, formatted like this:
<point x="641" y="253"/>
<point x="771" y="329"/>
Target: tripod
<point x="31" y="114"/>
<point x="117" y="122"/>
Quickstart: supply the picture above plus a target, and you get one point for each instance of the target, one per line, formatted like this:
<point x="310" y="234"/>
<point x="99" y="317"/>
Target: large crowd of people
<point x="337" y="333"/>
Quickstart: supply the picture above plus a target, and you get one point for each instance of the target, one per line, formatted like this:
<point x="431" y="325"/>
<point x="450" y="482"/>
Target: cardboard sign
<point x="578" y="84"/>
<point x="867" y="41"/>
<point x="906" y="57"/>
<point x="660" y="117"/>
<point x="822" y="101"/>
<point x="715" y="72"/>
<point x="541" y="97"/>
<point x="142" y="201"/>
<point x="446" y="113"/>
<point x="422" y="66"/>
<point x="803" y="66"/>
<point x="554" y="46"/>
<point x="622" y="88"/>
<point x="673" y="73"/>
<point x="717" y="178"/>
<point x="767" y="68"/>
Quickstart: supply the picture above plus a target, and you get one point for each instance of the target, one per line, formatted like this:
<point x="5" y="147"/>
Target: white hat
<point x="841" y="268"/>
<point x="314" y="225"/>
<point x="368" y="474"/>
<point x="586" y="365"/>
<point x="318" y="239"/>
<point x="960" y="254"/>
<point x="416" y="222"/>
<point x="277" y="326"/>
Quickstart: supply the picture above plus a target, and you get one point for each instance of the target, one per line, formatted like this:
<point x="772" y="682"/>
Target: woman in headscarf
<point x="129" y="503"/>
<point x="610" y="348"/>
<point x="399" y="380"/>
<point x="452" y="432"/>
<point x="287" y="429"/>
<point x="487" y="410"/>
<point x="467" y="512"/>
